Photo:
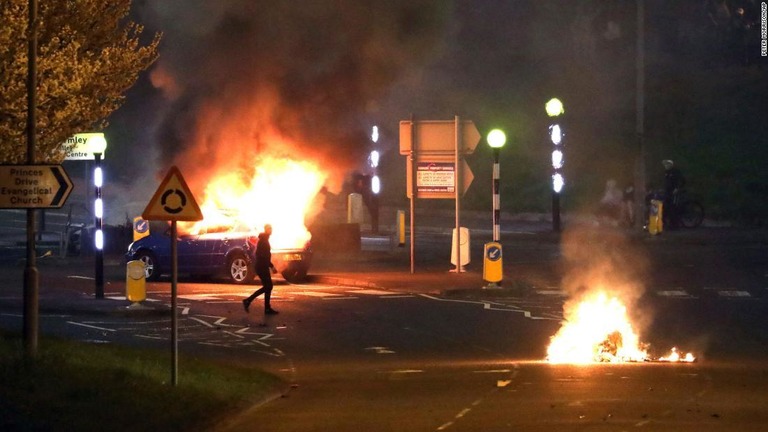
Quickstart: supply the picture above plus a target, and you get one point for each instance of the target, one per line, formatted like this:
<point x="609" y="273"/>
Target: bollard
<point x="135" y="282"/>
<point x="400" y="223"/>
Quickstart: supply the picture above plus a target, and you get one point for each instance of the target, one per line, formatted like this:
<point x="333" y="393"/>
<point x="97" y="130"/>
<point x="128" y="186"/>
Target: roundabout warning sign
<point x="173" y="201"/>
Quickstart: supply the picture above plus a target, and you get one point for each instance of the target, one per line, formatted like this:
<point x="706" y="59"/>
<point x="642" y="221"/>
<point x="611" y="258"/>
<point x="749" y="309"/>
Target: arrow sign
<point x="438" y="137"/>
<point x="34" y="186"/>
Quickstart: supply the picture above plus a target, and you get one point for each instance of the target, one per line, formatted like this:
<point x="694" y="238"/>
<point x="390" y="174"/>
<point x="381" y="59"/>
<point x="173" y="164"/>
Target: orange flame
<point x="279" y="191"/>
<point x="599" y="330"/>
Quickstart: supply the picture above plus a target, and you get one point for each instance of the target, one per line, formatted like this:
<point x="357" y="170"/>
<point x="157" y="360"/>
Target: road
<point x="406" y="355"/>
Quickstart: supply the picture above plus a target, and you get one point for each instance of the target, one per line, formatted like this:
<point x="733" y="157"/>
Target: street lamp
<point x="555" y="110"/>
<point x="496" y="140"/>
<point x="97" y="144"/>
<point x="492" y="262"/>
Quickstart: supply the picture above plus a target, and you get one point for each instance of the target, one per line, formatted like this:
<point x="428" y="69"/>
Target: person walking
<point x="264" y="268"/>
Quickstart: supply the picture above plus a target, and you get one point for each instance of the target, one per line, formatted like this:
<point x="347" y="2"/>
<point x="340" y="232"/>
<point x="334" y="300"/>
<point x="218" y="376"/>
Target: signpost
<point x="436" y="168"/>
<point x="34" y="186"/>
<point x="173" y="201"/>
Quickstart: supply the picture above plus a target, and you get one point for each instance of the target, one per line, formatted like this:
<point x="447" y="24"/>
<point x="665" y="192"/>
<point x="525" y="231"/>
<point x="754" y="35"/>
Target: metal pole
<point x="174" y="314"/>
<point x="414" y="189"/>
<point x="31" y="278"/>
<point x="640" y="118"/>
<point x="457" y="183"/>
<point x="496" y="197"/>
<point x="555" y="211"/>
<point x="99" y="233"/>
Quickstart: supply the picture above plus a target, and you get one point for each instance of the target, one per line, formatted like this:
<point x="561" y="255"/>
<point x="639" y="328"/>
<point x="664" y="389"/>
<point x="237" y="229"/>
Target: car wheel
<point x="151" y="270"/>
<point x="240" y="271"/>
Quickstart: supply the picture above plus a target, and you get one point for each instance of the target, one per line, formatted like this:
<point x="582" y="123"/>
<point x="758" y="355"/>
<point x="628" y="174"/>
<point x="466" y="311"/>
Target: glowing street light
<point x="555" y="110"/>
<point x="97" y="144"/>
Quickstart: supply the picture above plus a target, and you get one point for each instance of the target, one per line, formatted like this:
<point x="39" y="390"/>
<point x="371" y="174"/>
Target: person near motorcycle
<point x="673" y="182"/>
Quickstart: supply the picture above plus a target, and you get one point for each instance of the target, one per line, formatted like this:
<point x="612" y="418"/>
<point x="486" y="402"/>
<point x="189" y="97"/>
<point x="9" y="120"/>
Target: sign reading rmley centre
<point x="77" y="147"/>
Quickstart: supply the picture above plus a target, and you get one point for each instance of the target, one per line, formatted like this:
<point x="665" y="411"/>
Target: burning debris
<point x="598" y="327"/>
<point x="598" y="330"/>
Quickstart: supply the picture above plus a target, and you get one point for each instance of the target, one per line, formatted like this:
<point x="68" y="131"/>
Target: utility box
<point x="135" y="282"/>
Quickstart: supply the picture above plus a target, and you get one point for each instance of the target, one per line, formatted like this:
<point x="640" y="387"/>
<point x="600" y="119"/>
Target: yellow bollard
<point x="655" y="217"/>
<point x="135" y="282"/>
<point x="400" y="228"/>
<point x="493" y="271"/>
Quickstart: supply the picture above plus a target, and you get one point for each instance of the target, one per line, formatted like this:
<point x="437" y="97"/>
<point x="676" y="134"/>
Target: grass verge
<point x="86" y="387"/>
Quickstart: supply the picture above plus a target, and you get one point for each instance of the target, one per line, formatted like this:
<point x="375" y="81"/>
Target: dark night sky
<point x="324" y="74"/>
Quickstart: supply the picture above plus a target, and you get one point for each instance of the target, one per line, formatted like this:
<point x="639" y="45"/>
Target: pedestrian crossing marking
<point x="734" y="293"/>
<point x="371" y="292"/>
<point x="673" y="293"/>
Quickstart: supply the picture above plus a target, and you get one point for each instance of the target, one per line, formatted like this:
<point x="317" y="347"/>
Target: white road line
<point x="674" y="293"/>
<point x="734" y="293"/>
<point x="90" y="326"/>
<point x="491" y="306"/>
<point x="202" y="322"/>
<point x="370" y="292"/>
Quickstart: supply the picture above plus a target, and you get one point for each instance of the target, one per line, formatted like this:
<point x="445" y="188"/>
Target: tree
<point x="89" y="54"/>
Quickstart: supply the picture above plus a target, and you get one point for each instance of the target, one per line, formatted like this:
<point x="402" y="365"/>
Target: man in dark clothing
<point x="263" y="267"/>
<point x="673" y="182"/>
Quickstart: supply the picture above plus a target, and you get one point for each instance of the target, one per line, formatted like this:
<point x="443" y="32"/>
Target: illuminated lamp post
<point x="97" y="145"/>
<point x="375" y="185"/>
<point x="493" y="269"/>
<point x="554" y="110"/>
<point x="496" y="140"/>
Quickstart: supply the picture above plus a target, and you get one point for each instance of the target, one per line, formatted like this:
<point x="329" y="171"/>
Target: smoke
<point x="249" y="78"/>
<point x="599" y="260"/>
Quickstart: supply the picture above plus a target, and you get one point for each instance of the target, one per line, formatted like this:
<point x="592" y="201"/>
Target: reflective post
<point x="554" y="110"/>
<point x="98" y="238"/>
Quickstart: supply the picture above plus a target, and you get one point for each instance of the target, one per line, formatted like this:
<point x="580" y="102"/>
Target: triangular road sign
<point x="173" y="201"/>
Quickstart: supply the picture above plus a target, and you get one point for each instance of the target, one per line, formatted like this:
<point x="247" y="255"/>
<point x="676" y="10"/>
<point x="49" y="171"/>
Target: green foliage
<point x="88" y="55"/>
<point x="86" y="387"/>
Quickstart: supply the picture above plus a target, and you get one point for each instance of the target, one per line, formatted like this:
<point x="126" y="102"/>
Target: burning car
<point x="211" y="253"/>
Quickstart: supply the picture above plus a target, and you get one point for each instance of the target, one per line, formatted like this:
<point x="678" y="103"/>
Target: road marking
<point x="734" y="293"/>
<point x="679" y="293"/>
<point x="316" y="294"/>
<point x="380" y="350"/>
<point x="371" y="292"/>
<point x="552" y="292"/>
<point x="493" y="306"/>
<point x="91" y="326"/>
<point x="202" y="322"/>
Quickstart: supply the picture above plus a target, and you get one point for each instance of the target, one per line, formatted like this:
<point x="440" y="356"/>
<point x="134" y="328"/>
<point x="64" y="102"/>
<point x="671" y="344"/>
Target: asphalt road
<point x="415" y="354"/>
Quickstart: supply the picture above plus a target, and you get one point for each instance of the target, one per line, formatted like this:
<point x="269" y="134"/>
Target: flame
<point x="597" y="330"/>
<point x="674" y="356"/>
<point x="278" y="191"/>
